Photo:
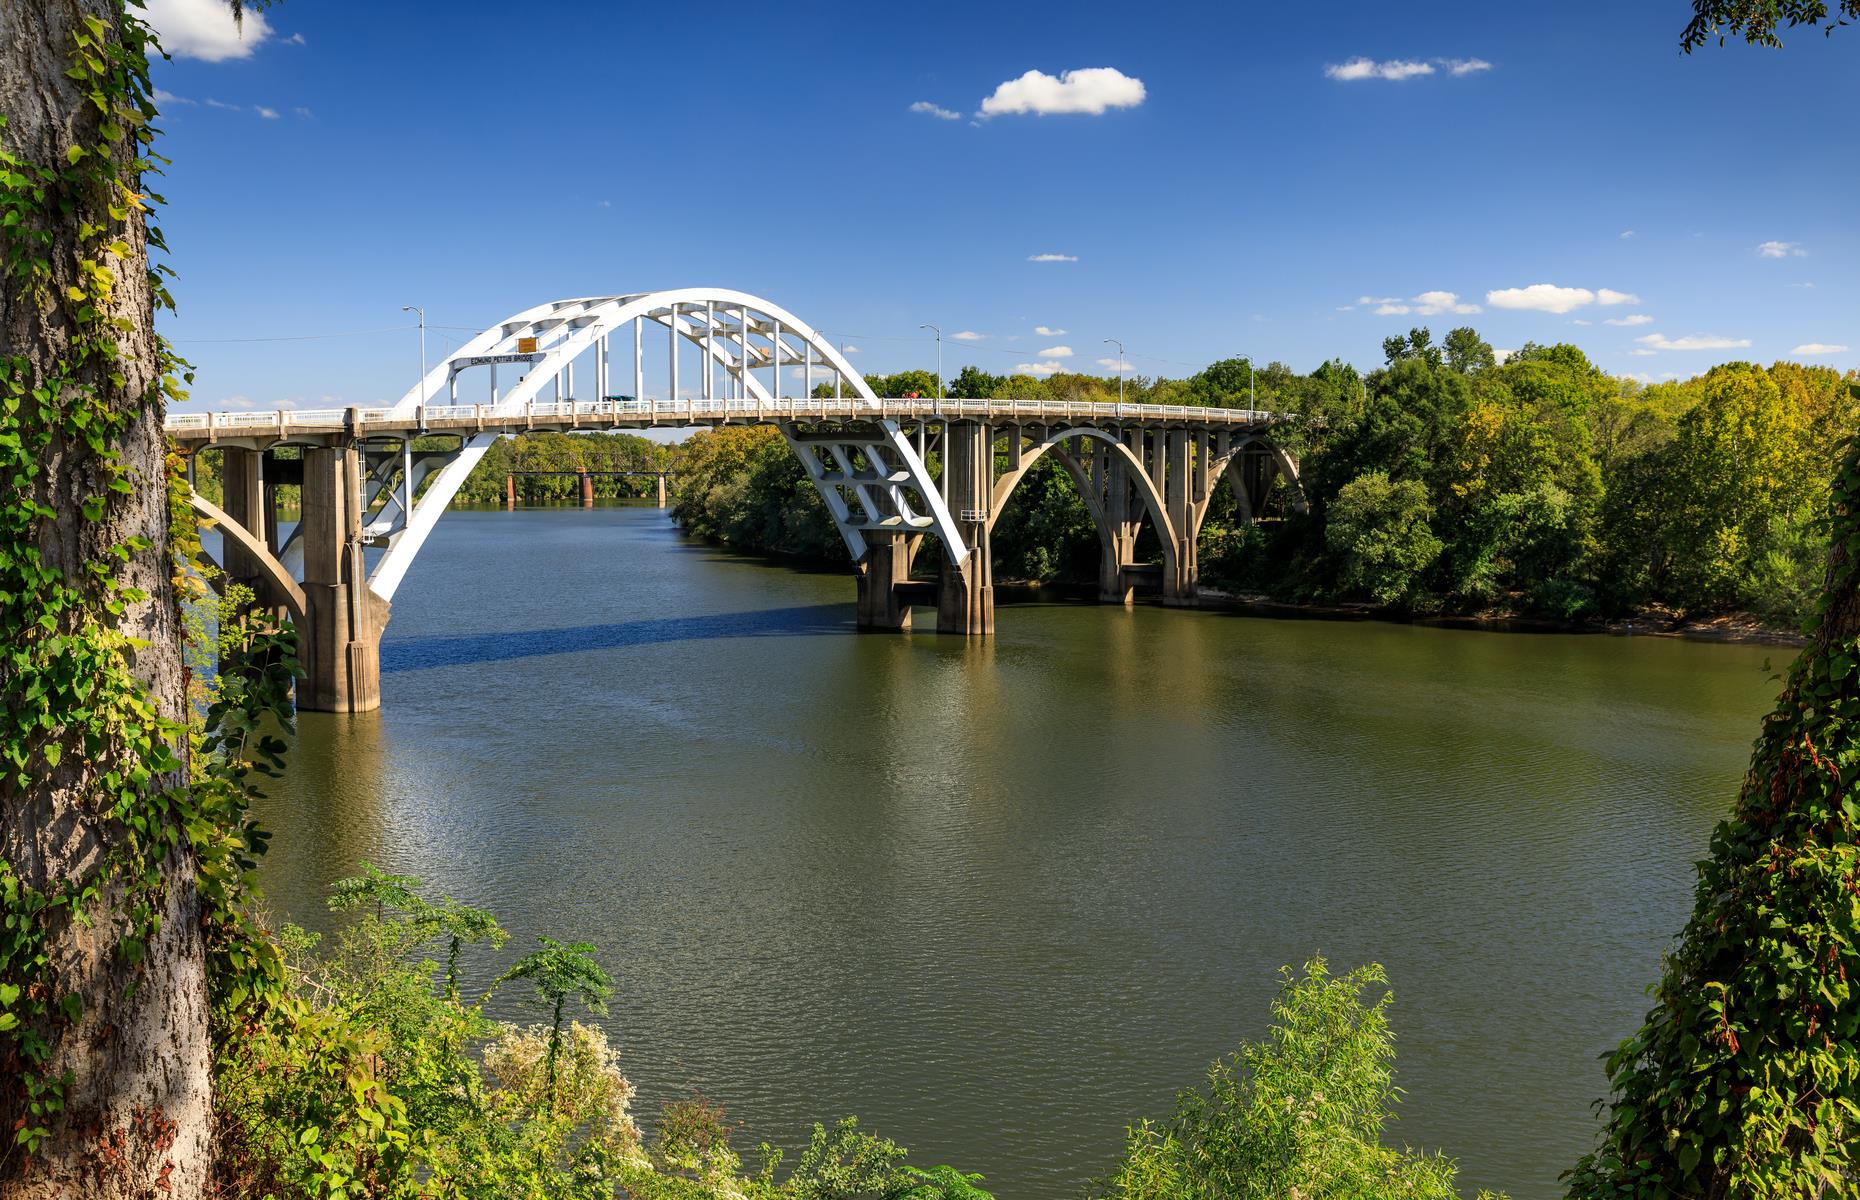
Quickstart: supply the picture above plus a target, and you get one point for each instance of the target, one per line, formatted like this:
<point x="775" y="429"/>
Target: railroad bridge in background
<point x="894" y="474"/>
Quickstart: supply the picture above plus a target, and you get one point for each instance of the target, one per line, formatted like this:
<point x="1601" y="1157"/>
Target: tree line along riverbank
<point x="1442" y="484"/>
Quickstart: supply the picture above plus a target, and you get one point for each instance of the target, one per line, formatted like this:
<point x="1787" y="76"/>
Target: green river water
<point x="1002" y="899"/>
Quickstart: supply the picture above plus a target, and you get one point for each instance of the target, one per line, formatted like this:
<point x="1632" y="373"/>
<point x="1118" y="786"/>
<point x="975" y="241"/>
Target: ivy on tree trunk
<point x="104" y="1045"/>
<point x="1745" y="1078"/>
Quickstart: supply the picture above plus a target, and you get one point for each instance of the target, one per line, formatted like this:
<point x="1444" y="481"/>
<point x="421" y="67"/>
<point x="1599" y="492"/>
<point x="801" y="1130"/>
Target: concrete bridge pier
<point x="1118" y="530"/>
<point x="587" y="490"/>
<point x="1173" y="470"/>
<point x="885" y="584"/>
<point x="662" y="489"/>
<point x="340" y="648"/>
<point x="965" y="601"/>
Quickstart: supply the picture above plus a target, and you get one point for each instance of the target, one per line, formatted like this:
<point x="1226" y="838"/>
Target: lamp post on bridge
<point x="414" y="308"/>
<point x="939" y="360"/>
<point x="1120" y="368"/>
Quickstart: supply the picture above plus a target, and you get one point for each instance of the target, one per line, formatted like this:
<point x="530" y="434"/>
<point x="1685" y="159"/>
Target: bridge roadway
<point x="893" y="473"/>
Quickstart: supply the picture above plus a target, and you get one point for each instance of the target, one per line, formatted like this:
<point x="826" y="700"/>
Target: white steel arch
<point x="891" y="489"/>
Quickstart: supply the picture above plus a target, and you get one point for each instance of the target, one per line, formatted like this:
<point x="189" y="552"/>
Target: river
<point x="1002" y="899"/>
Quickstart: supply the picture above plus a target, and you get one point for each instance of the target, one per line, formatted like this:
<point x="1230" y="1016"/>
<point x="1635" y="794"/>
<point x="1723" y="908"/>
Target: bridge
<point x="584" y="482"/>
<point x="894" y="474"/>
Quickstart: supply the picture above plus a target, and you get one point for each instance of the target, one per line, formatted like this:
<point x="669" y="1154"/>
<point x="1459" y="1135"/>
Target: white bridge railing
<point x="680" y="412"/>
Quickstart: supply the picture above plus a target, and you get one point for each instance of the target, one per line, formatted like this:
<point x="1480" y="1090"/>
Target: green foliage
<point x="366" y="1077"/>
<point x="1445" y="480"/>
<point x="1745" y="1078"/>
<point x="360" y="1078"/>
<point x="561" y="972"/>
<point x="1299" y="1114"/>
<point x="1756" y="20"/>
<point x="565" y="454"/>
<point x="742" y="486"/>
<point x="1378" y="528"/>
<point x="76" y="710"/>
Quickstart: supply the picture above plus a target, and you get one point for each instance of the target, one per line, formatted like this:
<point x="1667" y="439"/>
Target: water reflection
<point x="1002" y="899"/>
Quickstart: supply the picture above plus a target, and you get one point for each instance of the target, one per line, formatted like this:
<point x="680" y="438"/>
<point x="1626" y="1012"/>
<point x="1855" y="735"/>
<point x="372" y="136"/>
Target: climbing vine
<point x="76" y="716"/>
<point x="1745" y="1078"/>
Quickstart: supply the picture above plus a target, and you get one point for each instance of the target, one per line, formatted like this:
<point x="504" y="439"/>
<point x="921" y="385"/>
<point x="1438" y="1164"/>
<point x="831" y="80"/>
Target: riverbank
<point x="1739" y="628"/>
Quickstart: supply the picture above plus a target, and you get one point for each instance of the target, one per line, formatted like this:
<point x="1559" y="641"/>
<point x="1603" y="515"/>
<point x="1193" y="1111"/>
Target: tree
<point x="104" y="1045"/>
<point x="561" y="971"/>
<point x="1224" y="384"/>
<point x="973" y="383"/>
<point x="1378" y="528"/>
<point x="1744" y="1079"/>
<point x="1756" y="20"/>
<point x="1299" y="1114"/>
<point x="1467" y="351"/>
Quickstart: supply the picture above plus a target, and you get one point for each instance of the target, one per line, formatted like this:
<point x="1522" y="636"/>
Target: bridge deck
<point x="649" y="414"/>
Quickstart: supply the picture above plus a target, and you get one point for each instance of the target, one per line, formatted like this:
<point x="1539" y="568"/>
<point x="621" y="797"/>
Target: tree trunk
<point x="136" y="1113"/>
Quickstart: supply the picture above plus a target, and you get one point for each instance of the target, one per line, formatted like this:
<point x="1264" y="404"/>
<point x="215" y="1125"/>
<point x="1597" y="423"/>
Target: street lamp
<point x="414" y="308"/>
<point x="1120" y="366"/>
<point x="939" y="359"/>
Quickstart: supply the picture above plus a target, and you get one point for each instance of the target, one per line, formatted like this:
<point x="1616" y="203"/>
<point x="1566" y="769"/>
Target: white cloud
<point x="1115" y="364"/>
<point x="212" y="103"/>
<point x="1465" y="66"/>
<point x="1047" y="331"/>
<point x="1639" y="376"/>
<point x="1427" y="304"/>
<point x="1499" y="356"/>
<point x="1056" y="352"/>
<point x="849" y="349"/>
<point x="270" y="114"/>
<point x="1782" y="250"/>
<point x="1627" y="234"/>
<point x="1580" y="321"/>
<point x="1630" y="319"/>
<point x="935" y="110"/>
<point x="1369" y="68"/>
<point x="303" y="112"/>
<point x="1818" y="348"/>
<point x="1643" y="352"/>
<point x="1802" y="285"/>
<point x="603" y="204"/>
<point x="967" y="335"/>
<point x="1607" y="296"/>
<point x="1692" y="341"/>
<point x="1039" y="368"/>
<point x="1052" y="258"/>
<point x="205" y="29"/>
<point x="1087" y="90"/>
<point x="1541" y="297"/>
<point x="296" y="39"/>
<point x="169" y="98"/>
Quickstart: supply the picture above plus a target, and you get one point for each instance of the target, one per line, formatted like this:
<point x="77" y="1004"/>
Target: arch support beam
<point x="274" y="583"/>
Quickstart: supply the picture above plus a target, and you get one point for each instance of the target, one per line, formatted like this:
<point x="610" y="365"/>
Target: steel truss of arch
<point x="711" y="343"/>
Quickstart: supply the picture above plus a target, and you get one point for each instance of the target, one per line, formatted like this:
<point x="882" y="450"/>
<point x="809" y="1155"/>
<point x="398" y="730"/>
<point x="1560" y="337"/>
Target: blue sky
<point x="1250" y="184"/>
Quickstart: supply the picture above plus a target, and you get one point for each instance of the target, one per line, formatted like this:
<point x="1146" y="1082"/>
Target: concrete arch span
<point x="1118" y="490"/>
